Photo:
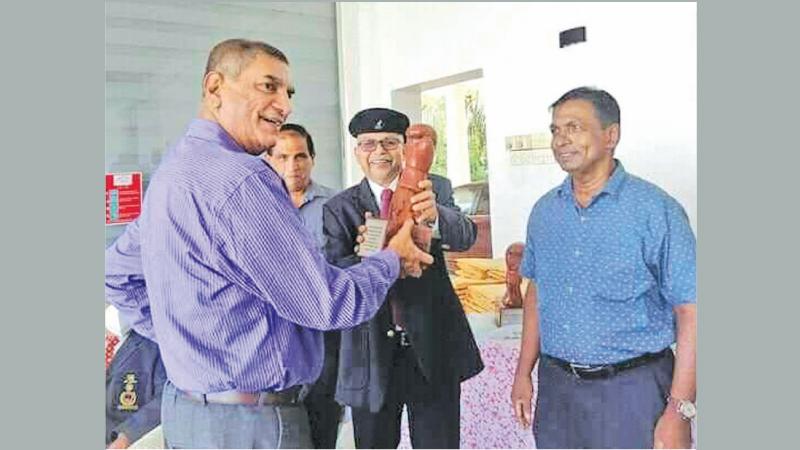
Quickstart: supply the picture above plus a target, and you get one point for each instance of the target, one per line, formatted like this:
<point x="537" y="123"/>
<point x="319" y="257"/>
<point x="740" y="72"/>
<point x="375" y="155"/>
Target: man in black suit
<point x="418" y="348"/>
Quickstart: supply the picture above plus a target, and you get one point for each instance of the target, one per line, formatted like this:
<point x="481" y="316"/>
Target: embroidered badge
<point x="379" y="125"/>
<point x="127" y="398"/>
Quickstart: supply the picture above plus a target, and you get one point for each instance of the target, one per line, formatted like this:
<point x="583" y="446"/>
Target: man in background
<point x="293" y="158"/>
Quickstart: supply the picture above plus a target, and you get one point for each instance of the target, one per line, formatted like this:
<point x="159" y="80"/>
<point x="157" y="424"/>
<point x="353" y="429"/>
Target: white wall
<point x="643" y="54"/>
<point x="155" y="55"/>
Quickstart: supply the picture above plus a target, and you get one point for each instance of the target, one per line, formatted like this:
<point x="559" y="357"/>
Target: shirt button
<point x="390" y="333"/>
<point x="583" y="219"/>
<point x="577" y="253"/>
<point x="569" y="289"/>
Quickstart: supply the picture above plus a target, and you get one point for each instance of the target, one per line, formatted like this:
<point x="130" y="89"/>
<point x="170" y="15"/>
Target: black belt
<point x="607" y="370"/>
<point x="288" y="396"/>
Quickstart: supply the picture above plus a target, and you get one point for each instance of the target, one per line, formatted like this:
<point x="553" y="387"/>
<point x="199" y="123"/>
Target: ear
<point x="612" y="136"/>
<point x="212" y="84"/>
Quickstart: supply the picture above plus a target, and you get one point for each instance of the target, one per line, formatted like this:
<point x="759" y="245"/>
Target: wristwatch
<point x="685" y="408"/>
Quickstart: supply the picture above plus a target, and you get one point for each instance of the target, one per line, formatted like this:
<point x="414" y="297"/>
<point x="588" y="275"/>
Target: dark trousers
<point x="433" y="411"/>
<point x="324" y="415"/>
<point x="616" y="412"/>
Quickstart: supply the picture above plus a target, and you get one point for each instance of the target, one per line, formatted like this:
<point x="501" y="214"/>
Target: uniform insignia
<point x="127" y="398"/>
<point x="379" y="125"/>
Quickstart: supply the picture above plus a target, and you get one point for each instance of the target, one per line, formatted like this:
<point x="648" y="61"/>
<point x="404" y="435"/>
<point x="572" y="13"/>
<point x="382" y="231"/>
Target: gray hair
<point x="230" y="57"/>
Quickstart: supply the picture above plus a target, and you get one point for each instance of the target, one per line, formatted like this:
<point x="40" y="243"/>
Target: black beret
<point x="376" y="120"/>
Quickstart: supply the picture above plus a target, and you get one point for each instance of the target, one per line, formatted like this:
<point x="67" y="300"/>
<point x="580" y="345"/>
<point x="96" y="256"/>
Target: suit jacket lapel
<point x="365" y="199"/>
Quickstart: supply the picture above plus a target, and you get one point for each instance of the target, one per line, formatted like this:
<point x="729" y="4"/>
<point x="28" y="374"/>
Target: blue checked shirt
<point x="609" y="275"/>
<point x="220" y="271"/>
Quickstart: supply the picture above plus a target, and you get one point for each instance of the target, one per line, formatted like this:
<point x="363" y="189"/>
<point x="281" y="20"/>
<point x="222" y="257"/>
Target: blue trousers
<point x="189" y="424"/>
<point x="616" y="412"/>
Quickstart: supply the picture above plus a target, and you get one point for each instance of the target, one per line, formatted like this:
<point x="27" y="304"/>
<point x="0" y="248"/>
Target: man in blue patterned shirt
<point x="611" y="259"/>
<point x="220" y="272"/>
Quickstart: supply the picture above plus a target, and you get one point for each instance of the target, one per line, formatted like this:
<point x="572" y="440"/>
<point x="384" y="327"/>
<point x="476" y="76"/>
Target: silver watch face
<point x="687" y="409"/>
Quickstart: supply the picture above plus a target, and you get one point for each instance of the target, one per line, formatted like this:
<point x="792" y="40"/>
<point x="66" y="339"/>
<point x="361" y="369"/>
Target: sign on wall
<point x="530" y="149"/>
<point x="123" y="197"/>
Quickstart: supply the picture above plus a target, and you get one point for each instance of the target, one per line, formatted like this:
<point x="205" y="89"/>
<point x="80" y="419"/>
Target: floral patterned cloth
<point x="487" y="420"/>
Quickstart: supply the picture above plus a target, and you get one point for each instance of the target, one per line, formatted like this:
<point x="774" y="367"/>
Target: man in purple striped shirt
<point x="220" y="271"/>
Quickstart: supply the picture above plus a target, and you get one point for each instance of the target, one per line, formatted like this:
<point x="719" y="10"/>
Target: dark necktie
<point x="386" y="202"/>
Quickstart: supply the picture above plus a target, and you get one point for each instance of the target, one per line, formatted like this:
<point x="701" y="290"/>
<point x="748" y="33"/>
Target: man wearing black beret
<point x="418" y="348"/>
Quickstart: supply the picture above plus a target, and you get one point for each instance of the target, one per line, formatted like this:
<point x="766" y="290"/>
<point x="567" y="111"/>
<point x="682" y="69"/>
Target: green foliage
<point x="433" y="114"/>
<point x="476" y="129"/>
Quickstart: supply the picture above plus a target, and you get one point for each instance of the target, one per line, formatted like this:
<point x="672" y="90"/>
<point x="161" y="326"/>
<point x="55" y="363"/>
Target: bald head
<point x="420" y="131"/>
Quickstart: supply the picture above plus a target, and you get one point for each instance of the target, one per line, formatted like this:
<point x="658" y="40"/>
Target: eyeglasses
<point x="371" y="145"/>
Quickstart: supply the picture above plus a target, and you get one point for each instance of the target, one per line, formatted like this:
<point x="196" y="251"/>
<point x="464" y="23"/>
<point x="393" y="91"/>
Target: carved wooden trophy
<point x="418" y="153"/>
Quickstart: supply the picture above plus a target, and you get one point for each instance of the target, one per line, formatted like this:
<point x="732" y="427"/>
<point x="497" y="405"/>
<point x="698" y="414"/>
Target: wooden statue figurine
<point x="513" y="296"/>
<point x="418" y="155"/>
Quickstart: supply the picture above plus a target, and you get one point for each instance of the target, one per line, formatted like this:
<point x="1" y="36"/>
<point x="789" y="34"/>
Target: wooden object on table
<point x="513" y="295"/>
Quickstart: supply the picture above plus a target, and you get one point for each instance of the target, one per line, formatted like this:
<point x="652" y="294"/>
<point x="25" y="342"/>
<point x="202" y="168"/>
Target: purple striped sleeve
<point x="256" y="227"/>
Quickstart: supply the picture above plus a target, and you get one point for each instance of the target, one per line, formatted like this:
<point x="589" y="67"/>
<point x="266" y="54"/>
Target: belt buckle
<point x="574" y="368"/>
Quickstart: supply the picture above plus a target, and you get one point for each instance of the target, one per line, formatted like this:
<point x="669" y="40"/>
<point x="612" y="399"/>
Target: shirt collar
<point x="612" y="186"/>
<point x="312" y="192"/>
<point x="211" y="131"/>
<point x="377" y="188"/>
